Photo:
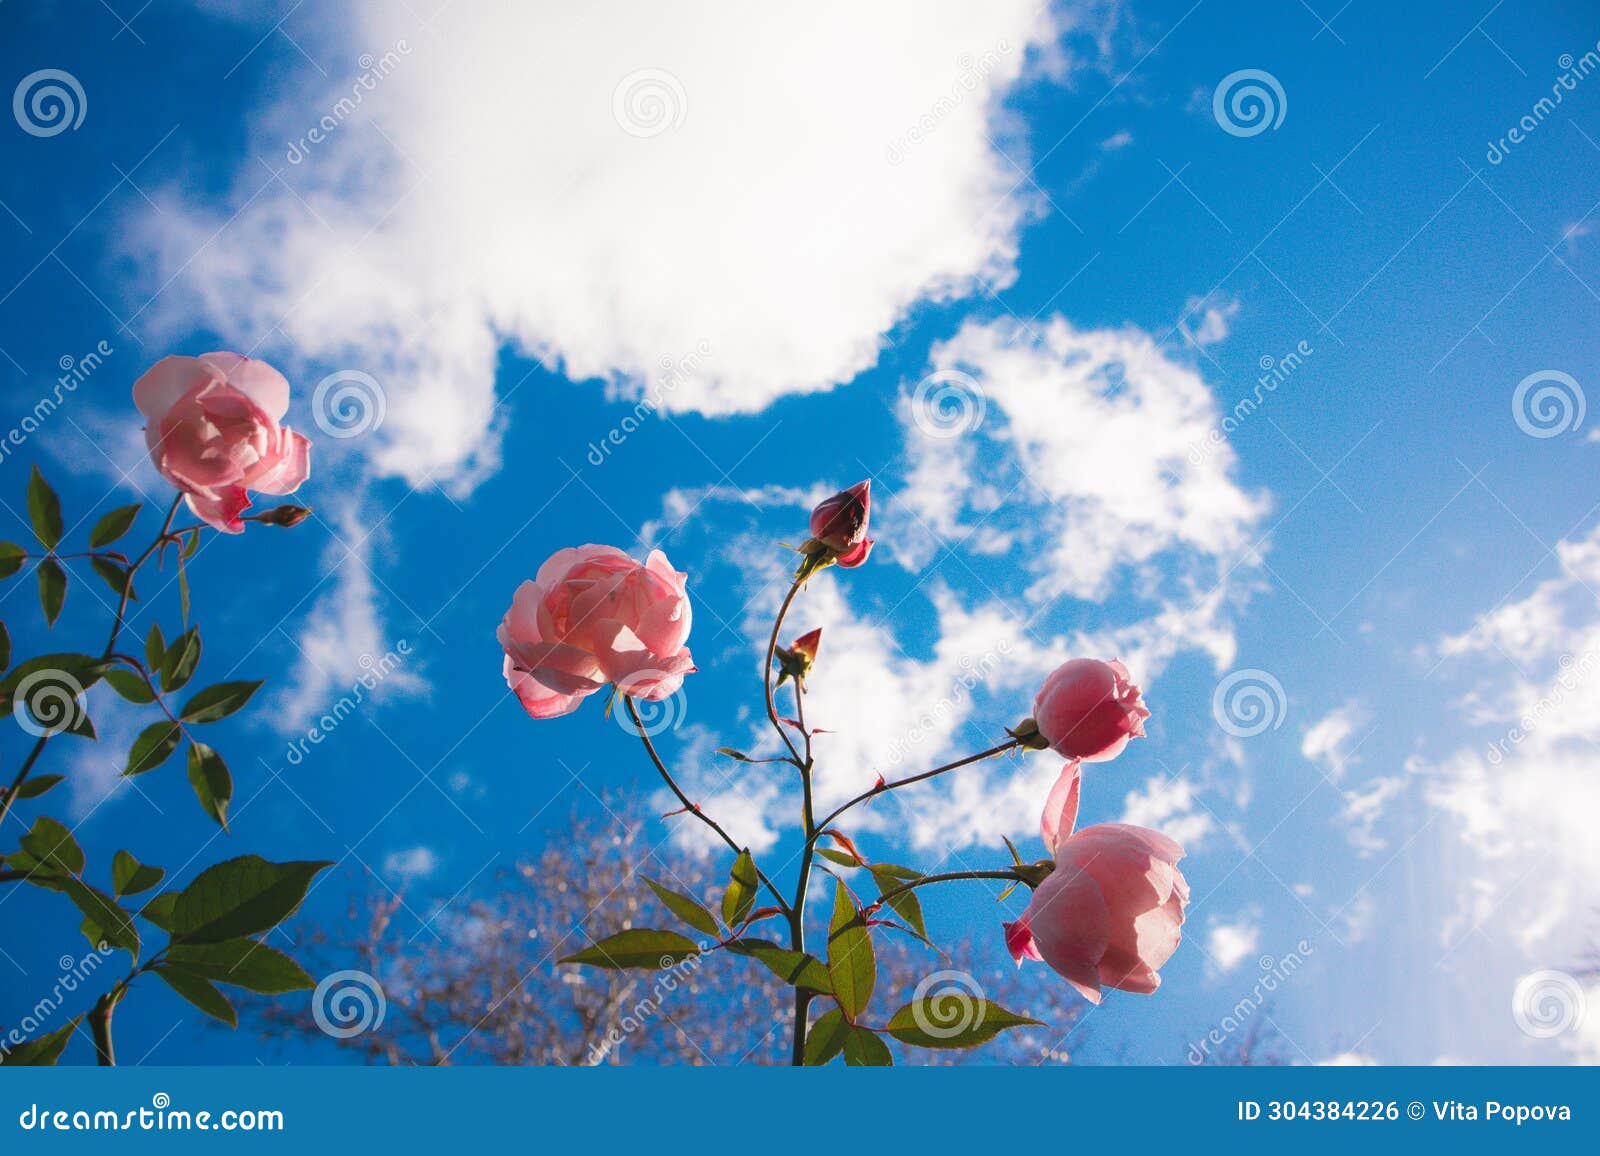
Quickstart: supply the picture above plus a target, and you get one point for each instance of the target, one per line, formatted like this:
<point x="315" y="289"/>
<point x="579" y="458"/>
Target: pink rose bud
<point x="794" y="661"/>
<point x="840" y="524"/>
<point x="285" y="516"/>
<point x="806" y="645"/>
<point x="1088" y="709"/>
<point x="1111" y="913"/>
<point x="213" y="432"/>
<point x="594" y="616"/>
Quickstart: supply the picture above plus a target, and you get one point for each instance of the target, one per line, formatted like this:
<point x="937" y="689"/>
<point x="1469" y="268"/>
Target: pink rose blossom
<point x="213" y="432"/>
<point x="840" y="523"/>
<point x="1111" y="913"/>
<point x="594" y="616"/>
<point x="1088" y="709"/>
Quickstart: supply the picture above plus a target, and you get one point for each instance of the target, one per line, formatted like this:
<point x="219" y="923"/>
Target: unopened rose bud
<point x="794" y="661"/>
<point x="284" y="516"/>
<point x="1088" y="709"/>
<point x="840" y="523"/>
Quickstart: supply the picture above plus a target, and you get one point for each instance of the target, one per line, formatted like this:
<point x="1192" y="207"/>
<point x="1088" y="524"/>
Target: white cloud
<point x="1169" y="805"/>
<point x="744" y="799"/>
<point x="1364" y="807"/>
<point x="1230" y="944"/>
<point x="812" y="181"/>
<point x="1208" y="320"/>
<point x="1327" y="741"/>
<point x="411" y="863"/>
<point x="1348" y="1060"/>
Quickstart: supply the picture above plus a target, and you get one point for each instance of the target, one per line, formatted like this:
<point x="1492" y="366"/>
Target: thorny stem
<point x="797" y="916"/>
<point x="766" y="674"/>
<point x="951" y="877"/>
<point x="896" y="784"/>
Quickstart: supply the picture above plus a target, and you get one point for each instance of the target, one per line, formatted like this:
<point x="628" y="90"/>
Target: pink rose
<point x="1111" y="913"/>
<point x="840" y="524"/>
<point x="594" y="616"/>
<point x="213" y="432"/>
<point x="1088" y="709"/>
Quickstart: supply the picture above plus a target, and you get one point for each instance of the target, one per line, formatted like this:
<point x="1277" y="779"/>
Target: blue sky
<point x="512" y="244"/>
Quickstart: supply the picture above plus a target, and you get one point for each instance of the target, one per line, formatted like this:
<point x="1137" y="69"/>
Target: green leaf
<point x="68" y="668"/>
<point x="155" y="648"/>
<point x="684" y="907"/>
<point x="825" y="1039"/>
<point x="115" y="575"/>
<point x="178" y="663"/>
<point x="38" y="785"/>
<point x="863" y="1049"/>
<point x="637" y="947"/>
<point x="130" y="686"/>
<point x="952" y="1018"/>
<point x="130" y="877"/>
<point x="44" y="510"/>
<point x="105" y="913"/>
<point x="795" y="968"/>
<point x="851" y="967"/>
<point x="42" y="1052"/>
<point x="217" y="702"/>
<point x="183" y="593"/>
<point x="733" y="754"/>
<point x="240" y="897"/>
<point x="53" y="846"/>
<point x="12" y="557"/>
<point x="837" y="857"/>
<point x="153" y="747"/>
<point x="52" y="589"/>
<point x="906" y="904"/>
<point x="5" y="646"/>
<point x="201" y="992"/>
<point x="212" y="783"/>
<point x="159" y="910"/>
<point x="246" y="963"/>
<point x="111" y="527"/>
<point x="740" y="896"/>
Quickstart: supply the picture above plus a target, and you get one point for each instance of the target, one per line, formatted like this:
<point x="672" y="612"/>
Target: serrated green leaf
<point x="159" y="909"/>
<point x="839" y="858"/>
<point x="733" y="754"/>
<point x="684" y="907"/>
<point x="740" y="896"/>
<point x="212" y="783"/>
<point x="180" y="659"/>
<point x="825" y="1038"/>
<point x="42" y="1052"/>
<point x="153" y="747"/>
<point x="953" y="1018"/>
<point x="851" y="967"/>
<point x="33" y="787"/>
<point x="246" y="963"/>
<point x="12" y="556"/>
<point x="201" y="992"/>
<point x="239" y="898"/>
<point x="52" y="845"/>
<point x="115" y="924"/>
<point x="906" y="904"/>
<point x="52" y="589"/>
<point x="44" y="511"/>
<point x="217" y="702"/>
<point x="155" y="649"/>
<point x="863" y="1049"/>
<point x="113" y="525"/>
<point x="638" y="947"/>
<point x="795" y="968"/>
<point x="130" y="686"/>
<point x="115" y="575"/>
<point x="130" y="877"/>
